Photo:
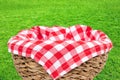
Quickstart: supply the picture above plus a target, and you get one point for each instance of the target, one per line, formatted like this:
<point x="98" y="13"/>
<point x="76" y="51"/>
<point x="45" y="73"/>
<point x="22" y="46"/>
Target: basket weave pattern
<point x="30" y="70"/>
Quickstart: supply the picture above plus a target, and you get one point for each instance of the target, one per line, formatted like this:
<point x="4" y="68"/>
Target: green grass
<point x="100" y="14"/>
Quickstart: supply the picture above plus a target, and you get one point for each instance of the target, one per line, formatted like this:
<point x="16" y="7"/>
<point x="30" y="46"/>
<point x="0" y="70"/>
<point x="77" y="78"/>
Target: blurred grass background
<point x="100" y="14"/>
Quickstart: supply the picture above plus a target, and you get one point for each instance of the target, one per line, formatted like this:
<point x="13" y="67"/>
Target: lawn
<point x="23" y="14"/>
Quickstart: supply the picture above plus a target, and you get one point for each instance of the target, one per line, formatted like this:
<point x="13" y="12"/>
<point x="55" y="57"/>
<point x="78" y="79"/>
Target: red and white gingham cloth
<point x="60" y="49"/>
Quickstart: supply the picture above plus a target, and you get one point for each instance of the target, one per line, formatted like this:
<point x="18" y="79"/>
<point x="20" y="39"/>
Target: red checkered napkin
<point x="60" y="49"/>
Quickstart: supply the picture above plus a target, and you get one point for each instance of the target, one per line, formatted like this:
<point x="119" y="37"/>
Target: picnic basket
<point x="91" y="46"/>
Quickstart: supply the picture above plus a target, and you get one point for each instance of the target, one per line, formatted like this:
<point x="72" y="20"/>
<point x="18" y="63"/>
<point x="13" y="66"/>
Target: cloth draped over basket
<point x="59" y="49"/>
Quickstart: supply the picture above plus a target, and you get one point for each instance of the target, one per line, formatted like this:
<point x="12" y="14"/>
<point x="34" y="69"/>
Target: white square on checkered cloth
<point x="41" y="62"/>
<point x="73" y="66"/>
<point x="52" y="38"/>
<point x="57" y="64"/>
<point x="79" y="49"/>
<point x="48" y="55"/>
<point x="67" y="56"/>
<point x="59" y="47"/>
<point x="77" y="38"/>
<point x="84" y="59"/>
<point x="62" y="73"/>
<point x="37" y="48"/>
<point x="61" y="37"/>
<point x="27" y="44"/>
<point x="90" y="44"/>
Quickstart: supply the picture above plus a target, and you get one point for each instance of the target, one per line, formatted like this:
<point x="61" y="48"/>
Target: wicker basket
<point x="30" y="70"/>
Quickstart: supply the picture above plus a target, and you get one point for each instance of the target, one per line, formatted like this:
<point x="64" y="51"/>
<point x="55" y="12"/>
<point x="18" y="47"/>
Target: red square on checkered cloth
<point x="60" y="49"/>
